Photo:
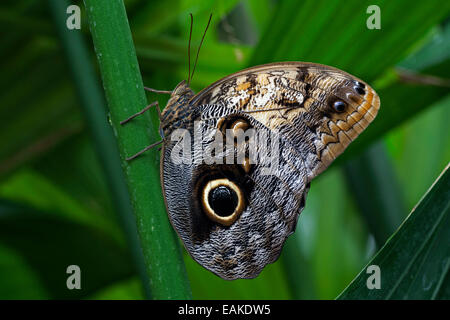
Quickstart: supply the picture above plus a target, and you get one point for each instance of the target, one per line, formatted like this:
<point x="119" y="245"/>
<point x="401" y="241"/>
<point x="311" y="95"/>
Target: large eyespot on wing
<point x="249" y="221"/>
<point x="222" y="201"/>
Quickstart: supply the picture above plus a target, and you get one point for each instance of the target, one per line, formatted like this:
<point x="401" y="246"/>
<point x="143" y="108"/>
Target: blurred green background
<point x="56" y="207"/>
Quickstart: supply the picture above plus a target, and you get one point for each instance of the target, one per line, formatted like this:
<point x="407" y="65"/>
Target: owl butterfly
<point x="232" y="218"/>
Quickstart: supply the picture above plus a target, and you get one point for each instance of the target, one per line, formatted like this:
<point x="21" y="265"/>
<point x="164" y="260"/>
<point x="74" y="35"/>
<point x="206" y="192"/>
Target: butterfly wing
<point x="306" y="113"/>
<point x="298" y="99"/>
<point x="270" y="205"/>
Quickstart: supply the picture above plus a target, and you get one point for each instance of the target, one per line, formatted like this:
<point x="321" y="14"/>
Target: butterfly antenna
<point x="157" y="91"/>
<point x="189" y="49"/>
<point x="199" y="47"/>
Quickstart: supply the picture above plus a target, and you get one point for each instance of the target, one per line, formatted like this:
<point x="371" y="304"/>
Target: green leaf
<point x="415" y="262"/>
<point x="28" y="134"/>
<point x="331" y="33"/>
<point x="32" y="189"/>
<point x="19" y="280"/>
<point x="47" y="245"/>
<point x="153" y="16"/>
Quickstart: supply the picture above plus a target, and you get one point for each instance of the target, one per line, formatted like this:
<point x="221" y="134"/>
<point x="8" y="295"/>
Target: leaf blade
<point x="429" y="220"/>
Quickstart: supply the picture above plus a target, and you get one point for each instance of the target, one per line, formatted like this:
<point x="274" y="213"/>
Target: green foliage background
<point x="58" y="203"/>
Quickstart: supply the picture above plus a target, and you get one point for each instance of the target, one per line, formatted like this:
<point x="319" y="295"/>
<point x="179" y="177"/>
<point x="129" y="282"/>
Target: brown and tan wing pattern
<point x="298" y="99"/>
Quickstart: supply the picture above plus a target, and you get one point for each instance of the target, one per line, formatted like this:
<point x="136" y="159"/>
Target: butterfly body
<point x="234" y="217"/>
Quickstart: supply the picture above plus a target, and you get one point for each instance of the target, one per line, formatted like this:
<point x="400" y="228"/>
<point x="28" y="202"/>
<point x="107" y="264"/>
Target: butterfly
<point x="233" y="218"/>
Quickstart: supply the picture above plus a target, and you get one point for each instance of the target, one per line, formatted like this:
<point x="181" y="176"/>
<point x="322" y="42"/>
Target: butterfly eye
<point x="339" y="106"/>
<point x="222" y="201"/>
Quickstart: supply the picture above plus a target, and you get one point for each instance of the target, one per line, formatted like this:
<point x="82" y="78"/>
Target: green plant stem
<point x="94" y="108"/>
<point x="125" y="96"/>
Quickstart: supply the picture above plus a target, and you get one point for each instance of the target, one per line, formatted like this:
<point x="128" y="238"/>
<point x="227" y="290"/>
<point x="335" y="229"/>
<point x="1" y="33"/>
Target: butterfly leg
<point x="142" y="111"/>
<point x="143" y="150"/>
<point x="154" y="104"/>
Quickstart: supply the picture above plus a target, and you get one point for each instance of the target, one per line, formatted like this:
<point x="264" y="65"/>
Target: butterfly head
<point x="181" y="94"/>
<point x="177" y="107"/>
